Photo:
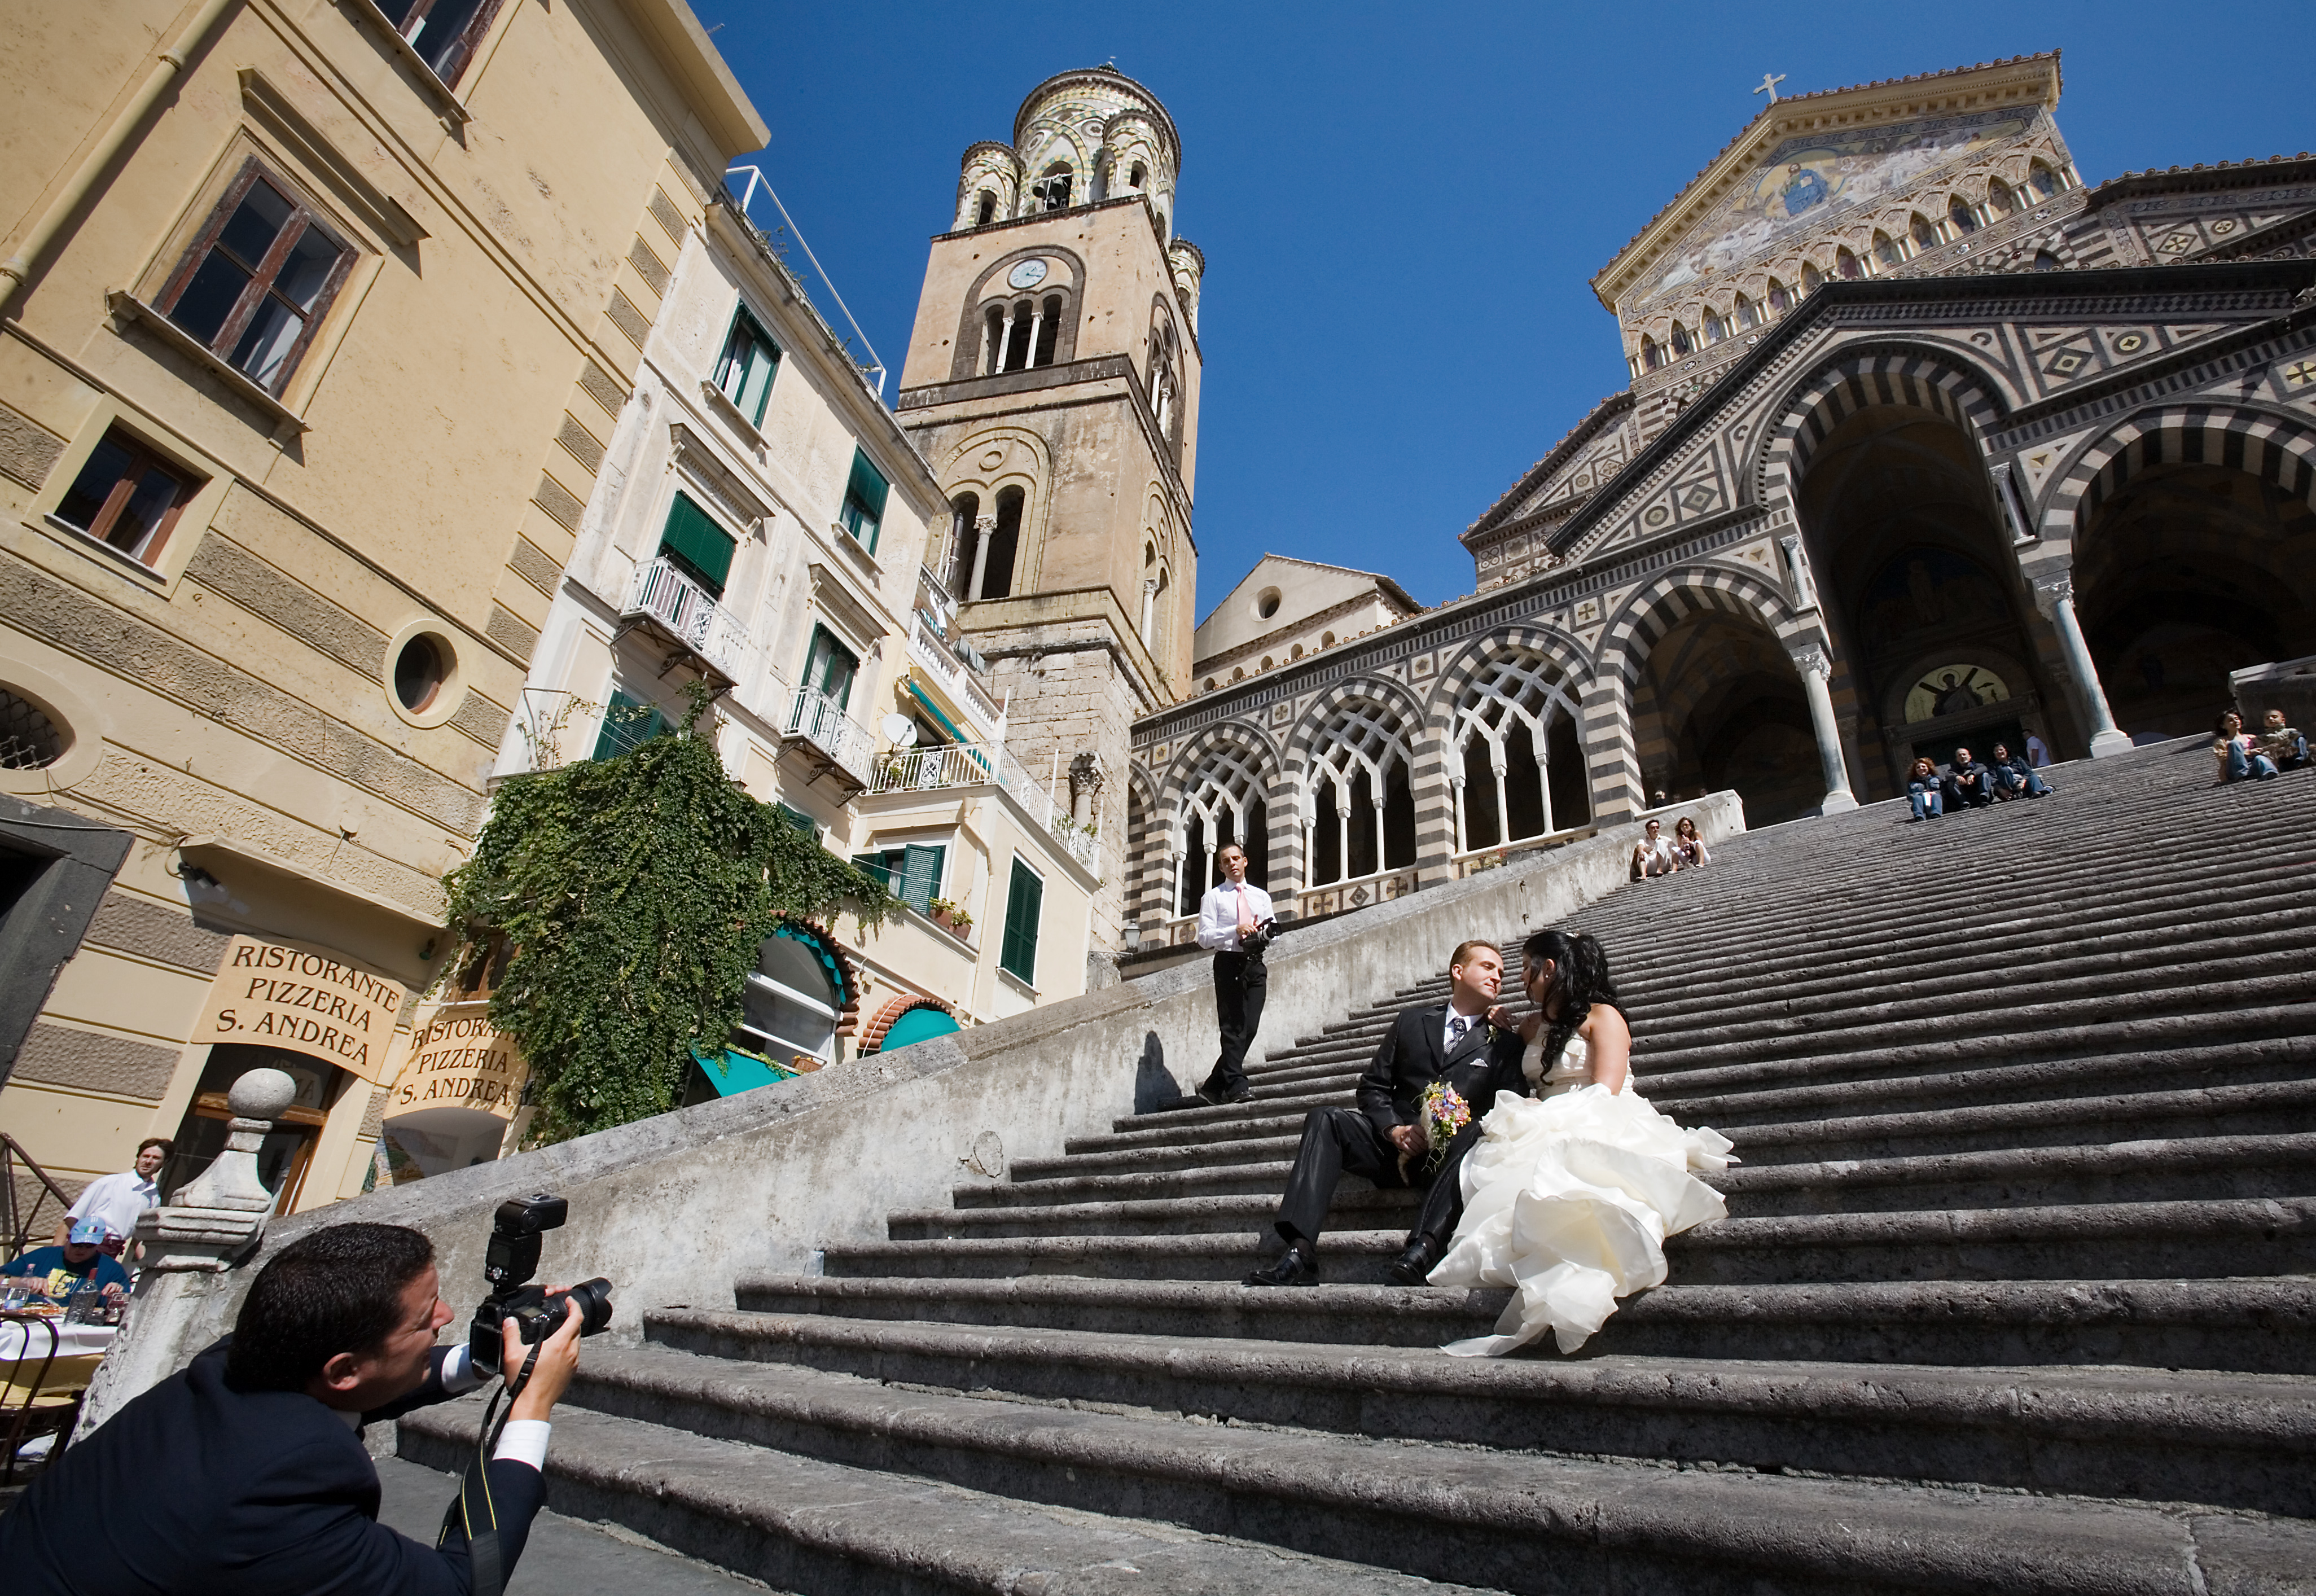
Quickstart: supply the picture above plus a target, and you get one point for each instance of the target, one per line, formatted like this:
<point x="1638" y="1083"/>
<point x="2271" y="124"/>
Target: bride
<point x="1570" y="1192"/>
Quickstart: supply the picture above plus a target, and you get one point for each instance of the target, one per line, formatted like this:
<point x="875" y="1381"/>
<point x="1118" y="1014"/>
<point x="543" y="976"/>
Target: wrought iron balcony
<point x="977" y="764"/>
<point x="687" y="615"/>
<point x="839" y="744"/>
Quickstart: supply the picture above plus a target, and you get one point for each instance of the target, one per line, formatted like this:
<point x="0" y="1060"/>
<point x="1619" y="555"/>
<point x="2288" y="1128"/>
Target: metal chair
<point x="43" y="1392"/>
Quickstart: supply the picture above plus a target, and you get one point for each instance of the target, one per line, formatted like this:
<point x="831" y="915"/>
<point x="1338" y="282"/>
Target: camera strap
<point x="474" y="1510"/>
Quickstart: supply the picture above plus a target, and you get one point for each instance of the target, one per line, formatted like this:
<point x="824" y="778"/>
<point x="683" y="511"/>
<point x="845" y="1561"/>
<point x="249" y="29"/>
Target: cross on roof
<point x="1769" y="82"/>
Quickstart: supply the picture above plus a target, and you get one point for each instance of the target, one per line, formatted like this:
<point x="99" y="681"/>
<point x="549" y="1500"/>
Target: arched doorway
<point x="1718" y="704"/>
<point x="2187" y="572"/>
<point x="1919" y="587"/>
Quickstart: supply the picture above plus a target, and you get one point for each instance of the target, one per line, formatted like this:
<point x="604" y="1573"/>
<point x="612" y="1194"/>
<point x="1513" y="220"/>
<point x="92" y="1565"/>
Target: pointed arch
<point x="1217" y="789"/>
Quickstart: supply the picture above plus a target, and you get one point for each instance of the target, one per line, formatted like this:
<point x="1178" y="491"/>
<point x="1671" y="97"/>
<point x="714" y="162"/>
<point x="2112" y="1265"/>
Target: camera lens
<point x="594" y="1299"/>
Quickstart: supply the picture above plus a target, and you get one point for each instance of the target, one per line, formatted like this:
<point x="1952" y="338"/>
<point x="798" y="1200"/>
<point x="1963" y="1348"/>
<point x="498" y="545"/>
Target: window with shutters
<point x="695" y="545"/>
<point x="863" y="515"/>
<point x="127" y="496"/>
<point x="444" y="33"/>
<point x="830" y="667"/>
<point x="258" y="279"/>
<point x="1024" y="899"/>
<point x="797" y="818"/>
<point x="629" y="723"/>
<point x="911" y="873"/>
<point x="745" y="374"/>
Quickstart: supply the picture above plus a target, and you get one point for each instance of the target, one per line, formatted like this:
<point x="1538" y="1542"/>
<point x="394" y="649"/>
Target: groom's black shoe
<point x="1298" y="1267"/>
<point x="1414" y="1266"/>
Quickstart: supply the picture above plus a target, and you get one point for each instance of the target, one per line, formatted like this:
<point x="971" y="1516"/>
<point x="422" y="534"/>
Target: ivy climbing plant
<point x="633" y="893"/>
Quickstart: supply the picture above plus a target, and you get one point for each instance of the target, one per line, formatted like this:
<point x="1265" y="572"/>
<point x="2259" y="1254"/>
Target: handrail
<point x="755" y="179"/>
<point x="10" y="1151"/>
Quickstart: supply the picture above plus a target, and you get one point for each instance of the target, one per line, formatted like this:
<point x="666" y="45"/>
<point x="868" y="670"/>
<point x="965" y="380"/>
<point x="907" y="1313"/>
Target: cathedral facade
<point x="1926" y="444"/>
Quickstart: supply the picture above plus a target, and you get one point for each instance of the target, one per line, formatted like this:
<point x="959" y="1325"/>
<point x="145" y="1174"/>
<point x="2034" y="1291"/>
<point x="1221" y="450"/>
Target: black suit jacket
<point x="197" y="1489"/>
<point x="1391" y="1092"/>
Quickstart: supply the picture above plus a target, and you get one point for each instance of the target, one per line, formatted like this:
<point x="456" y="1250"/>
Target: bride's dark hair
<point x="1579" y="978"/>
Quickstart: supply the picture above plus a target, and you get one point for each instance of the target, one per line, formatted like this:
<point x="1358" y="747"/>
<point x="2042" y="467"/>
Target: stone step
<point x="2225" y="1439"/>
<point x="804" y="1524"/>
<point x="2262" y="1326"/>
<point x="2087" y="1241"/>
<point x="1525" y="1521"/>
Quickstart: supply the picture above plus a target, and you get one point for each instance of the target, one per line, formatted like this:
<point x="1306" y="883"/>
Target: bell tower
<point x="1051" y="382"/>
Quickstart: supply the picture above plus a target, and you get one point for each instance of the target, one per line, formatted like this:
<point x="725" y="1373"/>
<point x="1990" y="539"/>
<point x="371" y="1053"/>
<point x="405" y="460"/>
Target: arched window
<point x="2000" y="200"/>
<point x="790" y="1005"/>
<point x="991" y="575"/>
<point x="1887" y="250"/>
<point x="1165" y="385"/>
<point x="1359" y="817"/>
<point x="1049" y="330"/>
<point x="1052" y="192"/>
<point x="963" y="535"/>
<point x="1845" y="265"/>
<point x="2044" y="261"/>
<point x="984" y="210"/>
<point x="1519" y="768"/>
<point x="1224" y="801"/>
<point x="1021" y="335"/>
<point x="1811" y="278"/>
<point x="1680" y="344"/>
<point x="1748" y="314"/>
<point x="1138" y="176"/>
<point x="1780" y="300"/>
<point x="1926" y="236"/>
<point x="1959" y="212"/>
<point x="1715" y="329"/>
<point x="2045" y="182"/>
<point x="1651" y="357"/>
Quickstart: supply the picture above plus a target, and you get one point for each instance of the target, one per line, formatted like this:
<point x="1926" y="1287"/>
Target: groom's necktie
<point x="1456" y="1026"/>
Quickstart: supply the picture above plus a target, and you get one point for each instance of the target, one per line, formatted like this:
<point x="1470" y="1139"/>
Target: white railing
<point x="941" y="662"/>
<point x="821" y="721"/>
<point x="977" y="764"/>
<point x="684" y="608"/>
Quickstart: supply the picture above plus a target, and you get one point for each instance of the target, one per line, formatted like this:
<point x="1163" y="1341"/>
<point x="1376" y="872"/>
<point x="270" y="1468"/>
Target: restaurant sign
<point x="271" y="993"/>
<point x="460" y="1060"/>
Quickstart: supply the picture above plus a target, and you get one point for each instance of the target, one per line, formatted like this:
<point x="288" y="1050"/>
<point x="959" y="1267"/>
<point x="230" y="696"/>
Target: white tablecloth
<point x="73" y="1340"/>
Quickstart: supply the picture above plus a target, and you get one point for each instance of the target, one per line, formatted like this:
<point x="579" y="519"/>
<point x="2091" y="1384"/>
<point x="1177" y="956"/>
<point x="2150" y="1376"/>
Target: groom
<point x="1384" y="1137"/>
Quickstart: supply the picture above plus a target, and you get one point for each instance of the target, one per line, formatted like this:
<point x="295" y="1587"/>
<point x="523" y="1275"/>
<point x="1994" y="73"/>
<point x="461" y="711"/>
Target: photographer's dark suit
<point x="1391" y="1093"/>
<point x="195" y="1488"/>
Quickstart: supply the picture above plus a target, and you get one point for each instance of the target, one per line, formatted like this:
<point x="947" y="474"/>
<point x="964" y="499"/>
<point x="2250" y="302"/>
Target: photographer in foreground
<point x="245" y="1472"/>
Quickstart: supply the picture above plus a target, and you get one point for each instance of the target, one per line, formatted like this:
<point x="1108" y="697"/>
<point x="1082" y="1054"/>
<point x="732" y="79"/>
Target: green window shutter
<point x="759" y="359"/>
<point x="919" y="876"/>
<point x="629" y="723"/>
<point x="1018" y="953"/>
<point x="698" y="544"/>
<point x="830" y="667"/>
<point x="874" y="864"/>
<point x="864" y="500"/>
<point x="798" y="818"/>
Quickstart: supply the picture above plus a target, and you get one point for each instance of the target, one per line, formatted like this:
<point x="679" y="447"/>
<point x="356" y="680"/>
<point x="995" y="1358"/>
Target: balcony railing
<point x="977" y="764"/>
<point x="843" y="742"/>
<point x="675" y="604"/>
<point x="942" y="663"/>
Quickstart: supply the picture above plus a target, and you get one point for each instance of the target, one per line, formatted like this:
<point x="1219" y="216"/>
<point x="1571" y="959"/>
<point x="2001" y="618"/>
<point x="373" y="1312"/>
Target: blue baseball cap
<point x="89" y="1232"/>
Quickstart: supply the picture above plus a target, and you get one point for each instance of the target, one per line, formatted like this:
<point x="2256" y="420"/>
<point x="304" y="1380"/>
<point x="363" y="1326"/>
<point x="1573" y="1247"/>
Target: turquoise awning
<point x="738" y="1071"/>
<point x="916" y="1025"/>
<point x="934" y="709"/>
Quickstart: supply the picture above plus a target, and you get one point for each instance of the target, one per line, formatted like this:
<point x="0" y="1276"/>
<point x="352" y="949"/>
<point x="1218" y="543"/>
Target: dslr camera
<point x="508" y="1264"/>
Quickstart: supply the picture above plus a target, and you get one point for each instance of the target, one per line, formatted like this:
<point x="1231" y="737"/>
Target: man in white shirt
<point x="1234" y="920"/>
<point x="117" y="1200"/>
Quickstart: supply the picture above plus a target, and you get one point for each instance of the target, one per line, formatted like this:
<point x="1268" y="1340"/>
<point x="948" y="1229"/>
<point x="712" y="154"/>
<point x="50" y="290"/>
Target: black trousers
<point x="1241" y="984"/>
<point x="1339" y="1141"/>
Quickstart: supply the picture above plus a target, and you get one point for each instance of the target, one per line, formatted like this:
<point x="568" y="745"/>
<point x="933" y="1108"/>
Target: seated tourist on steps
<point x="1653" y="855"/>
<point x="2015" y="778"/>
<point x="1688" y="848"/>
<point x="2286" y="748"/>
<point x="1400" y="1134"/>
<point x="1967" y="782"/>
<point x="1922" y="790"/>
<point x="2238" y="753"/>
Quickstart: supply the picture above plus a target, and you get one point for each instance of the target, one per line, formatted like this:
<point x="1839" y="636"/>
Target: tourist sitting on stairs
<point x="2014" y="778"/>
<point x="1434" y="1061"/>
<point x="1923" y="789"/>
<point x="2238" y="753"/>
<point x="2283" y="745"/>
<point x="1653" y="855"/>
<point x="1967" y="782"/>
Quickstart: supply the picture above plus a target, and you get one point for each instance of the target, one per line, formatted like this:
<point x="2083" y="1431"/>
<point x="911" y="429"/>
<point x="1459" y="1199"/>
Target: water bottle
<point x="84" y="1303"/>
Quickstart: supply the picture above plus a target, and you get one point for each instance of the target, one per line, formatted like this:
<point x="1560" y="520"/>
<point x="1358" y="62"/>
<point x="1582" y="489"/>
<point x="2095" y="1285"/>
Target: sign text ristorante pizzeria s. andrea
<point x="279" y="994"/>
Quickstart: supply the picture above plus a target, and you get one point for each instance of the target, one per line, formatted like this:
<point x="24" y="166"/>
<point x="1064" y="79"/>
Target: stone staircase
<point x="2017" y="1291"/>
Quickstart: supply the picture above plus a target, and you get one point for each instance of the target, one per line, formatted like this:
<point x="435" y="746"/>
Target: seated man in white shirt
<point x="117" y="1200"/>
<point x="1234" y="920"/>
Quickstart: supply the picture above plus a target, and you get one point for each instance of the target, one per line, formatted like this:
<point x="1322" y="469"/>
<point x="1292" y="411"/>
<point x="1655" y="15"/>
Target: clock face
<point x="1027" y="275"/>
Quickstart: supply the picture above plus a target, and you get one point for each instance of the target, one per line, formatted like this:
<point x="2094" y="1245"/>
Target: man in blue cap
<point x="59" y="1272"/>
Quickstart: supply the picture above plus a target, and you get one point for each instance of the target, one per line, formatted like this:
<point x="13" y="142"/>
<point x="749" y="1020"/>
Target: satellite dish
<point x="899" y="730"/>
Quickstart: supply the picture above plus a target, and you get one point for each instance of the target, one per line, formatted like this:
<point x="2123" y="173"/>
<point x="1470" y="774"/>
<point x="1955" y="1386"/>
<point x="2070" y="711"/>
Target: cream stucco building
<point x="318" y="317"/>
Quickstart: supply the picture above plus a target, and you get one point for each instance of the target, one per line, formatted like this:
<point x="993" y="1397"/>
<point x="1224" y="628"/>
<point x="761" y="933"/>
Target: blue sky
<point x="1401" y="207"/>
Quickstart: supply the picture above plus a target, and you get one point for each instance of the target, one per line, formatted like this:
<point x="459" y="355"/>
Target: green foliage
<point x="634" y="892"/>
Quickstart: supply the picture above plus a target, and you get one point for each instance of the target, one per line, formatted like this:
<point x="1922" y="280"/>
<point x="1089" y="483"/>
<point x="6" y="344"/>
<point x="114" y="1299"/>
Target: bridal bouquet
<point x="1445" y="1112"/>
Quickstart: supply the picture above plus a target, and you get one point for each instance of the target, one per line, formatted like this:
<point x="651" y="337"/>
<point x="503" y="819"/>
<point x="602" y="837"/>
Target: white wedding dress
<point x="1568" y="1198"/>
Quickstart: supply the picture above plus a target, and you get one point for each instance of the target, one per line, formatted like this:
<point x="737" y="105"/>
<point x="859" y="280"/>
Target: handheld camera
<point x="508" y="1264"/>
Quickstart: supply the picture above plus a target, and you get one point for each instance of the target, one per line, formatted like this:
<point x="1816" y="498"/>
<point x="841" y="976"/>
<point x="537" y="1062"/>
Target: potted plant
<point x="950" y="917"/>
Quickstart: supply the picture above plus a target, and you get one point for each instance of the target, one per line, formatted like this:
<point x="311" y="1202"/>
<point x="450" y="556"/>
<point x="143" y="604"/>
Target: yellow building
<point x="316" y="318"/>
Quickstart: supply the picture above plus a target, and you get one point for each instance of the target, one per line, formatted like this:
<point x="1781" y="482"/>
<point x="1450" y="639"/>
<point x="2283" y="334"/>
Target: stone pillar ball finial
<point x="261" y="1095"/>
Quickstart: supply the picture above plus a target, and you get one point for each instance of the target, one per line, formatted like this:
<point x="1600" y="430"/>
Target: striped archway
<point x="1499" y="705"/>
<point x="1222" y="783"/>
<point x="1936" y="381"/>
<point x="2274" y="445"/>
